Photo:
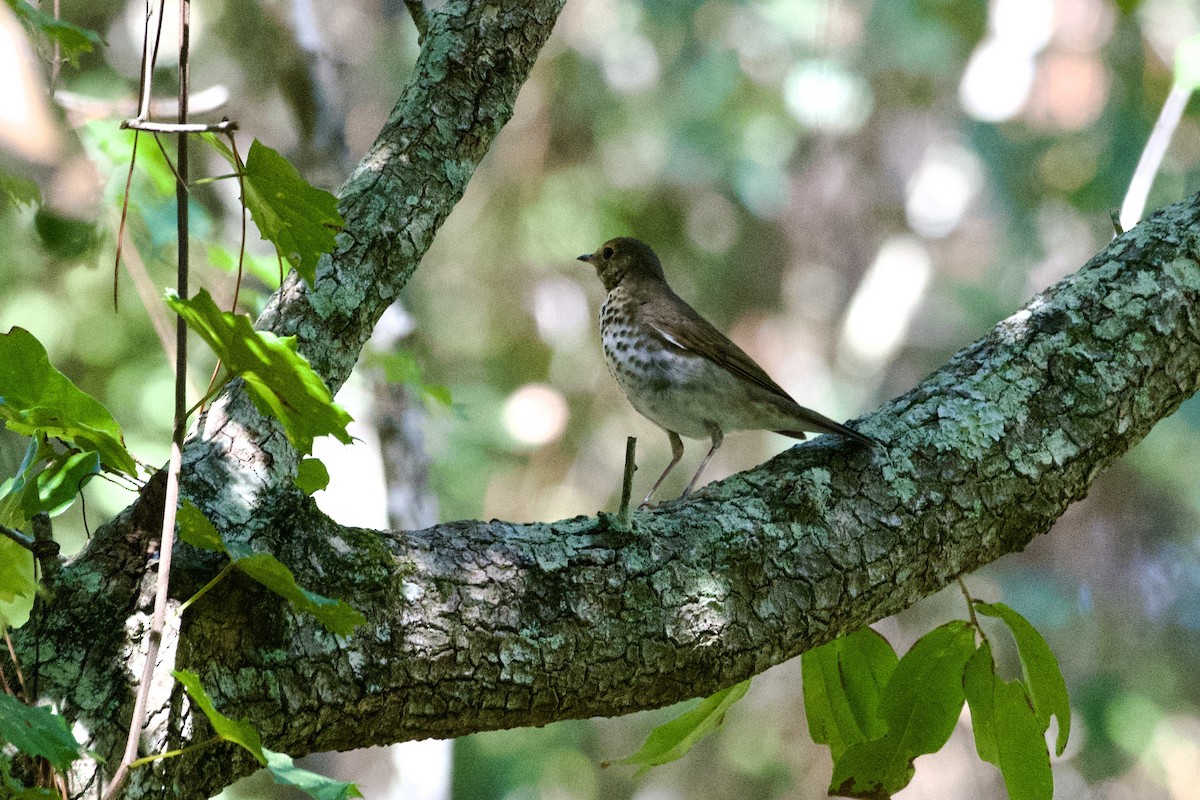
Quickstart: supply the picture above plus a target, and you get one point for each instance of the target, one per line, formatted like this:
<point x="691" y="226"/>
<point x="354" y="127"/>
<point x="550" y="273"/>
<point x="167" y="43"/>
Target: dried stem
<point x="154" y="638"/>
<point x="627" y="482"/>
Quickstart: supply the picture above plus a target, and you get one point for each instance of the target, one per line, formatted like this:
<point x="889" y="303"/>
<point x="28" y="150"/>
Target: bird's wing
<point x="683" y="328"/>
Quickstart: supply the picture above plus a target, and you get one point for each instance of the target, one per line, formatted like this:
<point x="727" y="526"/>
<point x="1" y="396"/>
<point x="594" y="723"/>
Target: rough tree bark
<point x="475" y="626"/>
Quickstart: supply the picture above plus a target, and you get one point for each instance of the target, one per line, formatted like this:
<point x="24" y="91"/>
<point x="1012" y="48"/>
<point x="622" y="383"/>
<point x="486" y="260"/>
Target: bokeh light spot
<point x="996" y="82"/>
<point x="941" y="190"/>
<point x="827" y="96"/>
<point x="630" y="64"/>
<point x="887" y="298"/>
<point x="560" y="310"/>
<point x="535" y="414"/>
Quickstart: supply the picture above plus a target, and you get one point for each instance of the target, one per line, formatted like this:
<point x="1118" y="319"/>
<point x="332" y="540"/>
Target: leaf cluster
<point x="73" y="438"/>
<point x="280" y="381"/>
<point x="877" y="712"/>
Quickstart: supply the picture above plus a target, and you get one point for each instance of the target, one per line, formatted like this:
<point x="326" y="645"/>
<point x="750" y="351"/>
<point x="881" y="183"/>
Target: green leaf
<point x="1040" y="669"/>
<point x="1187" y="63"/>
<point x="220" y="144"/>
<point x="311" y="475"/>
<point x="312" y="784"/>
<point x="113" y="146"/>
<point x="12" y="490"/>
<point x="279" y="380"/>
<point x="977" y="686"/>
<point x="439" y="393"/>
<point x="843" y="681"/>
<point x="18" y="586"/>
<point x="65" y="237"/>
<point x="298" y="218"/>
<point x="920" y="705"/>
<point x="35" y="397"/>
<point x="10" y="504"/>
<point x="1008" y="732"/>
<point x="73" y="40"/>
<point x="37" y="731"/>
<point x="239" y="732"/>
<point x="17" y="191"/>
<point x="56" y="487"/>
<point x="399" y="365"/>
<point x="196" y="530"/>
<point x="335" y="615"/>
<point x="673" y="739"/>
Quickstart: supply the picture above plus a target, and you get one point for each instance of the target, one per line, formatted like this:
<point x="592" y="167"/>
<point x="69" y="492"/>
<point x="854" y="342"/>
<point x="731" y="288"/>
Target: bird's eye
<point x="608" y="252"/>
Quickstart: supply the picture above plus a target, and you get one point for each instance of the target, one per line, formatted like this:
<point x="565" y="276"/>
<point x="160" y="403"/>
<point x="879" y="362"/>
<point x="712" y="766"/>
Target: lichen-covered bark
<point x="476" y="625"/>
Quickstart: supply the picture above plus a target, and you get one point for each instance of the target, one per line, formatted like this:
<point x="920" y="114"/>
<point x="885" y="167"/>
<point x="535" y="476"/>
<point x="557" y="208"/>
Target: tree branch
<point x="416" y="9"/>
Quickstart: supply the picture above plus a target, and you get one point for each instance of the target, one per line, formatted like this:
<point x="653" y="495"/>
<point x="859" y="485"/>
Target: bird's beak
<point x="586" y="257"/>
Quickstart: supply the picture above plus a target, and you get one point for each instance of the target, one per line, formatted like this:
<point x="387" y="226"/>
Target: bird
<point x="679" y="371"/>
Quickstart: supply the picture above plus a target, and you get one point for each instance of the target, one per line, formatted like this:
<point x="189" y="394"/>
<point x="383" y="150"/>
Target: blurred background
<point x="852" y="190"/>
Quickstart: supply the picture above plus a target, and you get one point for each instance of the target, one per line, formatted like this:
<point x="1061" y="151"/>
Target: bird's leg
<point x="717" y="438"/>
<point x="676" y="454"/>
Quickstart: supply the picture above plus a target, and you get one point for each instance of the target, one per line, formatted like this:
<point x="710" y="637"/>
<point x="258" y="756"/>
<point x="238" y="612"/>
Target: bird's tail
<point x="822" y="424"/>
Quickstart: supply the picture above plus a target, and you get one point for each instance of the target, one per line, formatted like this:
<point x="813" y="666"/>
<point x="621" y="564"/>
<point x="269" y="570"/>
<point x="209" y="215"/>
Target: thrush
<point x="679" y="371"/>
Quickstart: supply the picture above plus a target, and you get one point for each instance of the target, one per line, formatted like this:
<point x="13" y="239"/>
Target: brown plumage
<point x="678" y="370"/>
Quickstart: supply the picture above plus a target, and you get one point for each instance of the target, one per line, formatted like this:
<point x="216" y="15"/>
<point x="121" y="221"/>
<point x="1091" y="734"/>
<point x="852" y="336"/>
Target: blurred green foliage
<point x="769" y="151"/>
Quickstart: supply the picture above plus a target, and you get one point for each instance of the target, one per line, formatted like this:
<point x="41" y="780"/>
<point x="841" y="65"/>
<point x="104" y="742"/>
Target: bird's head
<point x="624" y="259"/>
